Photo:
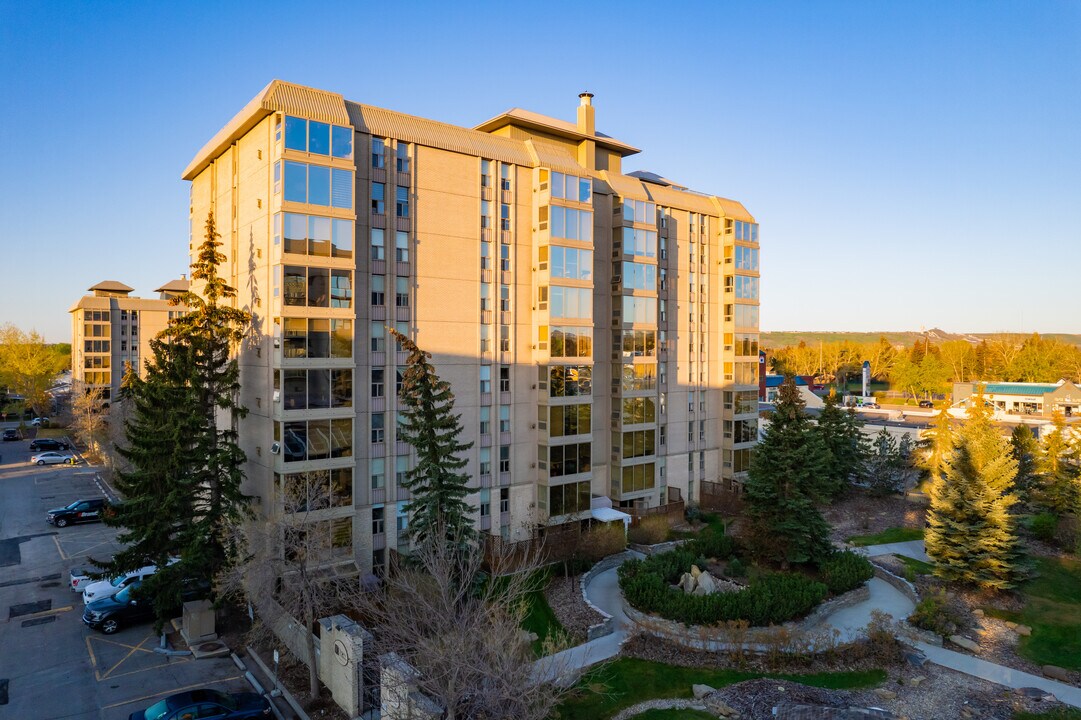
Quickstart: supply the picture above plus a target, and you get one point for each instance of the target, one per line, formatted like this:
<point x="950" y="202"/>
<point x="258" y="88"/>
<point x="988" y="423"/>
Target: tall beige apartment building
<point x="110" y="329"/>
<point x="599" y="328"/>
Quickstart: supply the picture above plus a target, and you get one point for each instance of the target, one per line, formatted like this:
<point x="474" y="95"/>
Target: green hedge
<point x="770" y="599"/>
<point x="844" y="571"/>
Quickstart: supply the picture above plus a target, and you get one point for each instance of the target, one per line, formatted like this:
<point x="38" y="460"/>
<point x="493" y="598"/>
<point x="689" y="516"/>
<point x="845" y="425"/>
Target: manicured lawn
<point x="917" y="566"/>
<point x="890" y="535"/>
<point x="1056" y="714"/>
<point x="541" y="620"/>
<point x="1053" y="611"/>
<point x="604" y="691"/>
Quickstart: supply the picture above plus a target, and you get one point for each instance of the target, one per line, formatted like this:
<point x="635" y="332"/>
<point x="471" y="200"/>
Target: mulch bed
<point x="860" y="513"/>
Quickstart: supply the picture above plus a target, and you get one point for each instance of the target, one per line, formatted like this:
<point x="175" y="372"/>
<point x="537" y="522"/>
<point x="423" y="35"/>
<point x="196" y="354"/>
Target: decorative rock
<point x="695" y="571"/>
<point x="1011" y="624"/>
<point x="699" y="591"/>
<point x="915" y="659"/>
<point x="967" y="712"/>
<point x="978" y="612"/>
<point x="700" y="691"/>
<point x="1057" y="673"/>
<point x="1035" y="694"/>
<point x="687" y="582"/>
<point x="964" y="642"/>
<point x="1023" y="630"/>
<point x="720" y="709"/>
<point x="915" y="681"/>
<point x="885" y="694"/>
<point x="706" y="582"/>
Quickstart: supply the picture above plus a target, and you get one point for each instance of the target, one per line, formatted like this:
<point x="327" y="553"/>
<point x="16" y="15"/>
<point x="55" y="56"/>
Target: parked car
<point x="40" y="422"/>
<point x="128" y="608"/>
<point x="53" y="457"/>
<point x="106" y="588"/>
<point x="205" y="703"/>
<point x="79" y="577"/>
<point x="926" y="404"/>
<point x="79" y="511"/>
<point x="47" y="444"/>
<point x="11" y="434"/>
<point x="872" y="406"/>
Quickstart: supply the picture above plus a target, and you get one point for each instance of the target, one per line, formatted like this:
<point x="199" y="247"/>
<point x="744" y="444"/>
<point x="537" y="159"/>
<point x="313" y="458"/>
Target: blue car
<point x="205" y="704"/>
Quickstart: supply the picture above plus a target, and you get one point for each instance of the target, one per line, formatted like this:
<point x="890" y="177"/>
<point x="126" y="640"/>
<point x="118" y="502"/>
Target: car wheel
<point x="110" y="626"/>
<point x="41" y="462"/>
<point x="62" y="522"/>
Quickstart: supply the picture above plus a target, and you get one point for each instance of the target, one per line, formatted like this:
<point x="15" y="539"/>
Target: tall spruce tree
<point x="183" y="497"/>
<point x="937" y="444"/>
<point x="1058" y="479"/>
<point x="842" y="434"/>
<point x="970" y="531"/>
<point x="1028" y="454"/>
<point x="886" y="470"/>
<point x="438" y="512"/>
<point x="786" y="467"/>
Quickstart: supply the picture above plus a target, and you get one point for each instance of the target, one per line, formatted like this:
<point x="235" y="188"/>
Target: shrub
<point x="712" y="545"/>
<point x="770" y="599"/>
<point x="650" y="531"/>
<point x="692" y="513"/>
<point x="1043" y="526"/>
<point x="735" y="568"/>
<point x="602" y="540"/>
<point x="933" y="613"/>
<point x="844" y="571"/>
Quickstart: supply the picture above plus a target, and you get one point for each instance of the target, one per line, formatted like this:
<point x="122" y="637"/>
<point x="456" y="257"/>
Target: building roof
<point x="180" y="285"/>
<point x="111" y="286"/>
<point x="554" y="126"/>
<point x="773" y="381"/>
<point x="1019" y="388"/>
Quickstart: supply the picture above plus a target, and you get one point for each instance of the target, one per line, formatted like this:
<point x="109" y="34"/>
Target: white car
<point x="39" y="421"/>
<point x="108" y="588"/>
<point x="79" y="578"/>
<point x="51" y="458"/>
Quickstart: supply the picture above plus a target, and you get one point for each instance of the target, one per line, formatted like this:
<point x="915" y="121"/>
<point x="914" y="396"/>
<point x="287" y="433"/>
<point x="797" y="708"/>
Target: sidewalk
<point x="999" y="674"/>
<point x="912" y="548"/>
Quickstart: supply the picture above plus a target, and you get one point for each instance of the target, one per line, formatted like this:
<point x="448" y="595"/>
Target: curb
<point x="288" y="696"/>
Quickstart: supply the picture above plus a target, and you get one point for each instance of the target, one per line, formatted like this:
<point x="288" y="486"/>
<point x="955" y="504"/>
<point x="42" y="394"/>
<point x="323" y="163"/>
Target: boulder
<point x="1011" y="624"/>
<point x="915" y="681"/>
<point x="700" y="691"/>
<point x="707" y="583"/>
<point x="695" y="571"/>
<point x="885" y="694"/>
<point x="915" y="659"/>
<point x="1035" y="693"/>
<point x="1056" y="673"/>
<point x="1023" y="630"/>
<point x="964" y="642"/>
<point x="720" y="709"/>
<point x="977" y="612"/>
<point x="699" y="591"/>
<point x="687" y="582"/>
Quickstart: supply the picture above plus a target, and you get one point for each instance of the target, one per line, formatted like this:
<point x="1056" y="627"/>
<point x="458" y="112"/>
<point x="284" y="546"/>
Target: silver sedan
<point x="52" y="458"/>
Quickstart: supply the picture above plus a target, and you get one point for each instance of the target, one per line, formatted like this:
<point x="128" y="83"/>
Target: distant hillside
<point x="907" y="338"/>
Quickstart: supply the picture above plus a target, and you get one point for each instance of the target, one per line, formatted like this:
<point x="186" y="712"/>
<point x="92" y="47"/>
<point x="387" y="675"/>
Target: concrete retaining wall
<point x="605" y="626"/>
<point x="908" y="631"/>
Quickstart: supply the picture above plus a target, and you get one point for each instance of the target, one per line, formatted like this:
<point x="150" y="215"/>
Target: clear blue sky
<point x="911" y="163"/>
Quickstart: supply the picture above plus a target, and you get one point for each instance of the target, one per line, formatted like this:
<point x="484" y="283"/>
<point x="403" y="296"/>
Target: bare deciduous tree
<point x="292" y="568"/>
<point x="86" y="420"/>
<point x="462" y="632"/>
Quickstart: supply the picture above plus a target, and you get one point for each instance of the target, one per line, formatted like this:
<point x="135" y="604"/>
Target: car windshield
<point x="124" y="595"/>
<point x="118" y="581"/>
<point x="157" y="710"/>
<point x="72" y="506"/>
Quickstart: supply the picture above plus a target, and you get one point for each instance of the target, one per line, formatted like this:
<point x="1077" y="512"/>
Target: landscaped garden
<point x="604" y="691"/>
<point x="890" y="535"/>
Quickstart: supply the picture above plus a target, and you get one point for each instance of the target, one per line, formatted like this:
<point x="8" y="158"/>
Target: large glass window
<point x="639" y="310"/>
<point x="341" y="141"/>
<point x="571" y="263"/>
<point x="571" y="341"/>
<point x="640" y="376"/>
<point x="568" y="499"/>
<point x="401" y="202"/>
<point x="637" y="477"/>
<point x="639" y="276"/>
<point x="378" y="244"/>
<point x="318" y="138"/>
<point x="318" y="236"/>
<point x="379" y="198"/>
<point x="748" y="232"/>
<point x="570" y="419"/>
<point x="311" y="184"/>
<point x="569" y="459"/>
<point x="639" y="343"/>
<point x="746" y="287"/>
<point x="639" y="410"/>
<point x="318" y="439"/>
<point x="570" y="380"/>
<point x="571" y="187"/>
<point x="379" y="152"/>
<point x="640" y="211"/>
<point x="639" y="443"/>
<point x="639" y="242"/>
<point x="746" y="258"/>
<point x="571" y="224"/>
<point x="746" y="316"/>
<point x="565" y="302"/>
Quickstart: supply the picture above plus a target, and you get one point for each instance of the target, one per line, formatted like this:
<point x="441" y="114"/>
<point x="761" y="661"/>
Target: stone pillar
<point x="399" y="698"/>
<point x="341" y="661"/>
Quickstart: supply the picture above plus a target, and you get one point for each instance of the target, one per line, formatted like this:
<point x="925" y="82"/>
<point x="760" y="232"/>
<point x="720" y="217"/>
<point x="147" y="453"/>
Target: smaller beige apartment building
<point x="599" y="327"/>
<point x="110" y="329"/>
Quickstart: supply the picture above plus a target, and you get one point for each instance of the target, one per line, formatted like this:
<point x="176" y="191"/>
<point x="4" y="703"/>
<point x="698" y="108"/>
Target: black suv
<point x="47" y="444"/>
<point x="11" y="434"/>
<point x="129" y="607"/>
<point x="926" y="404"/>
<point x="79" y="511"/>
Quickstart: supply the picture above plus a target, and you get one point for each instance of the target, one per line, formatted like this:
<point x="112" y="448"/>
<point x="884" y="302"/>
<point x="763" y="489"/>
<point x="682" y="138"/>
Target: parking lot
<point x="52" y="666"/>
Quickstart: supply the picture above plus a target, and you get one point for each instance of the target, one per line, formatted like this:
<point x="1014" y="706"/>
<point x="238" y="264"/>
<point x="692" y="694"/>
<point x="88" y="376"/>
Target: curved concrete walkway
<point x="913" y="549"/>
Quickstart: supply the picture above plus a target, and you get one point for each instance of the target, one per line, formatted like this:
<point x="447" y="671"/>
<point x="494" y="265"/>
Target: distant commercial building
<point x="110" y="329"/>
<point x="599" y="329"/>
<point x="1017" y="398"/>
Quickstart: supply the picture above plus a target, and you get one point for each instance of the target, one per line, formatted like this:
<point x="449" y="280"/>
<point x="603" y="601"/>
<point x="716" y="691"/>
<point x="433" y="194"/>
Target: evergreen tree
<point x="438" y="511"/>
<point x="937" y="444"/>
<point x="842" y="434"/>
<point x="886" y="471"/>
<point x="786" y="467"/>
<point x="970" y="533"/>
<point x="1058" y="482"/>
<point x="183" y="496"/>
<point x="1028" y="454"/>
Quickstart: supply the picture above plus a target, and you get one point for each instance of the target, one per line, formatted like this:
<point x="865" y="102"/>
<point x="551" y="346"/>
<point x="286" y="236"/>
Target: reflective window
<point x="746" y="287"/>
<point x="640" y="376"/>
<point x="568" y="499"/>
<point x="318" y="185"/>
<point x="639" y="443"/>
<point x="639" y="343"/>
<point x="571" y="187"/>
<point x="296" y="133"/>
<point x="748" y="232"/>
<point x="639" y="410"/>
<point x="639" y="310"/>
<point x="639" y="276"/>
<point x="570" y="380"/>
<point x="637" y="477"/>
<point x="312" y="184"/>
<point x="379" y="199"/>
<point x="571" y="224"/>
<point x="378" y="249"/>
<point x="296" y="181"/>
<point x="746" y="258"/>
<point x="318" y="137"/>
<point x="571" y="263"/>
<point x="341" y="142"/>
<point x="341" y="289"/>
<point x="640" y="211"/>
<point x="746" y="316"/>
<point x="570" y="420"/>
<point x="317" y="439"/>
<point x="402" y="157"/>
<point x="401" y="205"/>
<point x="379" y="151"/>
<point x="343" y="189"/>
<point x="639" y="242"/>
<point x="570" y="459"/>
<point x="401" y="246"/>
<point x="571" y="342"/>
<point x="565" y="302"/>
